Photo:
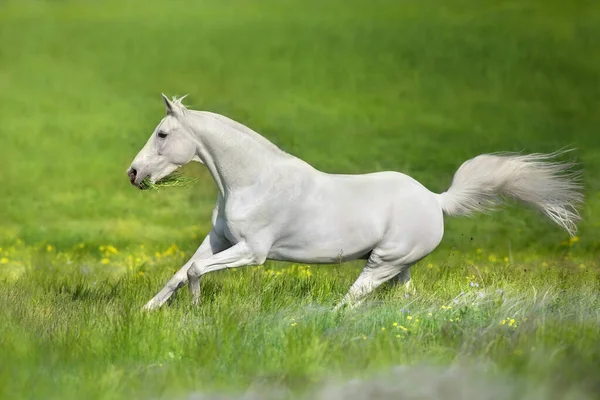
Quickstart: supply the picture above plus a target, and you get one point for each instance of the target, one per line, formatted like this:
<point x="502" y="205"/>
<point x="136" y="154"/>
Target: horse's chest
<point x="237" y="225"/>
<point x="245" y="217"/>
<point x="233" y="232"/>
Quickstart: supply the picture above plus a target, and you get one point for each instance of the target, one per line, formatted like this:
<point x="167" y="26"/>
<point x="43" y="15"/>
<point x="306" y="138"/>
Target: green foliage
<point x="72" y="326"/>
<point x="172" y="180"/>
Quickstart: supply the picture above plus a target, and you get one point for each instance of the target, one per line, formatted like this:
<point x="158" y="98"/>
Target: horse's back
<point x="348" y="215"/>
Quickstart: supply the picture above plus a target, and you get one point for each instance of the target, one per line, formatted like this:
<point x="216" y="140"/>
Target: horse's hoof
<point x="150" y="306"/>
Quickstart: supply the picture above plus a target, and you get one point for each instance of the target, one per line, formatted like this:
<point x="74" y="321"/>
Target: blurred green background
<point x="348" y="86"/>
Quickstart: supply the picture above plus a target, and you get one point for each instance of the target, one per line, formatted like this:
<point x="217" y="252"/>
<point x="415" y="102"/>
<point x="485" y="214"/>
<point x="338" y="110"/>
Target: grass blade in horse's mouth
<point x="171" y="180"/>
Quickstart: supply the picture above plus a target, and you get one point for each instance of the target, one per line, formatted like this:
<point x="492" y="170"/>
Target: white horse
<point x="272" y="205"/>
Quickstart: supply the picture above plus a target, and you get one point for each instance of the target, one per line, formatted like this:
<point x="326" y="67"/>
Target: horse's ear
<point x="169" y="105"/>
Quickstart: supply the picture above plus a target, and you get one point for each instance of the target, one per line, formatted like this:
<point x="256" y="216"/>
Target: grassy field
<point x="506" y="307"/>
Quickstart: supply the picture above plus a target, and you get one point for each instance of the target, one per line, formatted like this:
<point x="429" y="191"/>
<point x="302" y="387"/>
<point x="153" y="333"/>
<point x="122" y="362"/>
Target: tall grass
<point x="72" y="327"/>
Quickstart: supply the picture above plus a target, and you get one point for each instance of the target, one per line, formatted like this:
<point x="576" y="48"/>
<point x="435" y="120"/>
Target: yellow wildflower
<point x="105" y="261"/>
<point x="383" y="329"/>
<point x="395" y="324"/>
<point x="429" y="314"/>
<point x="492" y="258"/>
<point x="170" y="251"/>
<point x="503" y="322"/>
<point x="409" y="317"/>
<point x="294" y="324"/>
<point x="111" y="249"/>
<point x="49" y="248"/>
<point x="4" y="260"/>
<point x="305" y="272"/>
<point x="505" y="259"/>
<point x="403" y="328"/>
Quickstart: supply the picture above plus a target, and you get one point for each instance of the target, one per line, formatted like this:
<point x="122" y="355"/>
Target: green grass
<point x="350" y="87"/>
<point x="173" y="180"/>
<point x="71" y="326"/>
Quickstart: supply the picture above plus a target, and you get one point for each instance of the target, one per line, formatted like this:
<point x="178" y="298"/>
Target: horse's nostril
<point x="132" y="174"/>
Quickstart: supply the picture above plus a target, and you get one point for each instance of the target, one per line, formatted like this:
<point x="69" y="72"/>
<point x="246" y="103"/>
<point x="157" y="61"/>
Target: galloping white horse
<point x="272" y="205"/>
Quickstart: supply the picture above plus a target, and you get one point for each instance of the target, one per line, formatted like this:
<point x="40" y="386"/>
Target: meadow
<point x="507" y="307"/>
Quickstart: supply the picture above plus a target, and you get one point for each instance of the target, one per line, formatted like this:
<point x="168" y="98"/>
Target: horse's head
<point x="170" y="146"/>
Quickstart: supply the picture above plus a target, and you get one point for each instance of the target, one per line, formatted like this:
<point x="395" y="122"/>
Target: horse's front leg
<point x="238" y="255"/>
<point x="211" y="245"/>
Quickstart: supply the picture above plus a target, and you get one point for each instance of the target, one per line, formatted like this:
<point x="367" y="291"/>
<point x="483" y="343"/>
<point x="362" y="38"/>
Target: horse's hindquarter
<point x="344" y="217"/>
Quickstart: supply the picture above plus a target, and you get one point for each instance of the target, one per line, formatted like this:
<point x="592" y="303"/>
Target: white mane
<point x="243" y="129"/>
<point x="232" y="124"/>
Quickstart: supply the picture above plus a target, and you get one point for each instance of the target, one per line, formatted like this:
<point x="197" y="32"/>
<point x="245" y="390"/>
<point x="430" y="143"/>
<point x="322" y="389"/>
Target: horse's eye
<point x="162" y="135"/>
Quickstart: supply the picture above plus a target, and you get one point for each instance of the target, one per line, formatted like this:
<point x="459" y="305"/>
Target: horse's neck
<point x="234" y="157"/>
<point x="243" y="128"/>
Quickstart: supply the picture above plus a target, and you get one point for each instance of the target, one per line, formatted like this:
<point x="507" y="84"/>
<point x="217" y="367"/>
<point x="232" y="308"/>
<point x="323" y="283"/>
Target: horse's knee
<point x="193" y="272"/>
<point x="177" y="282"/>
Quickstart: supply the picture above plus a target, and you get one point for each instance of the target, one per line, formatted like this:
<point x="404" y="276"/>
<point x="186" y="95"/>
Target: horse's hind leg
<point x="403" y="278"/>
<point x="379" y="269"/>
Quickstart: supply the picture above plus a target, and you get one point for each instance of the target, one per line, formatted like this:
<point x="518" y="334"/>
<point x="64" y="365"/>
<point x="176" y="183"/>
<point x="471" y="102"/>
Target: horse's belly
<point x="324" y="240"/>
<point x="318" y="253"/>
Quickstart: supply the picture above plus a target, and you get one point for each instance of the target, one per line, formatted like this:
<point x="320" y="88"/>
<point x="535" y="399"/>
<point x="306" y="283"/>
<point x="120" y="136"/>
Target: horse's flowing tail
<point x="480" y="184"/>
